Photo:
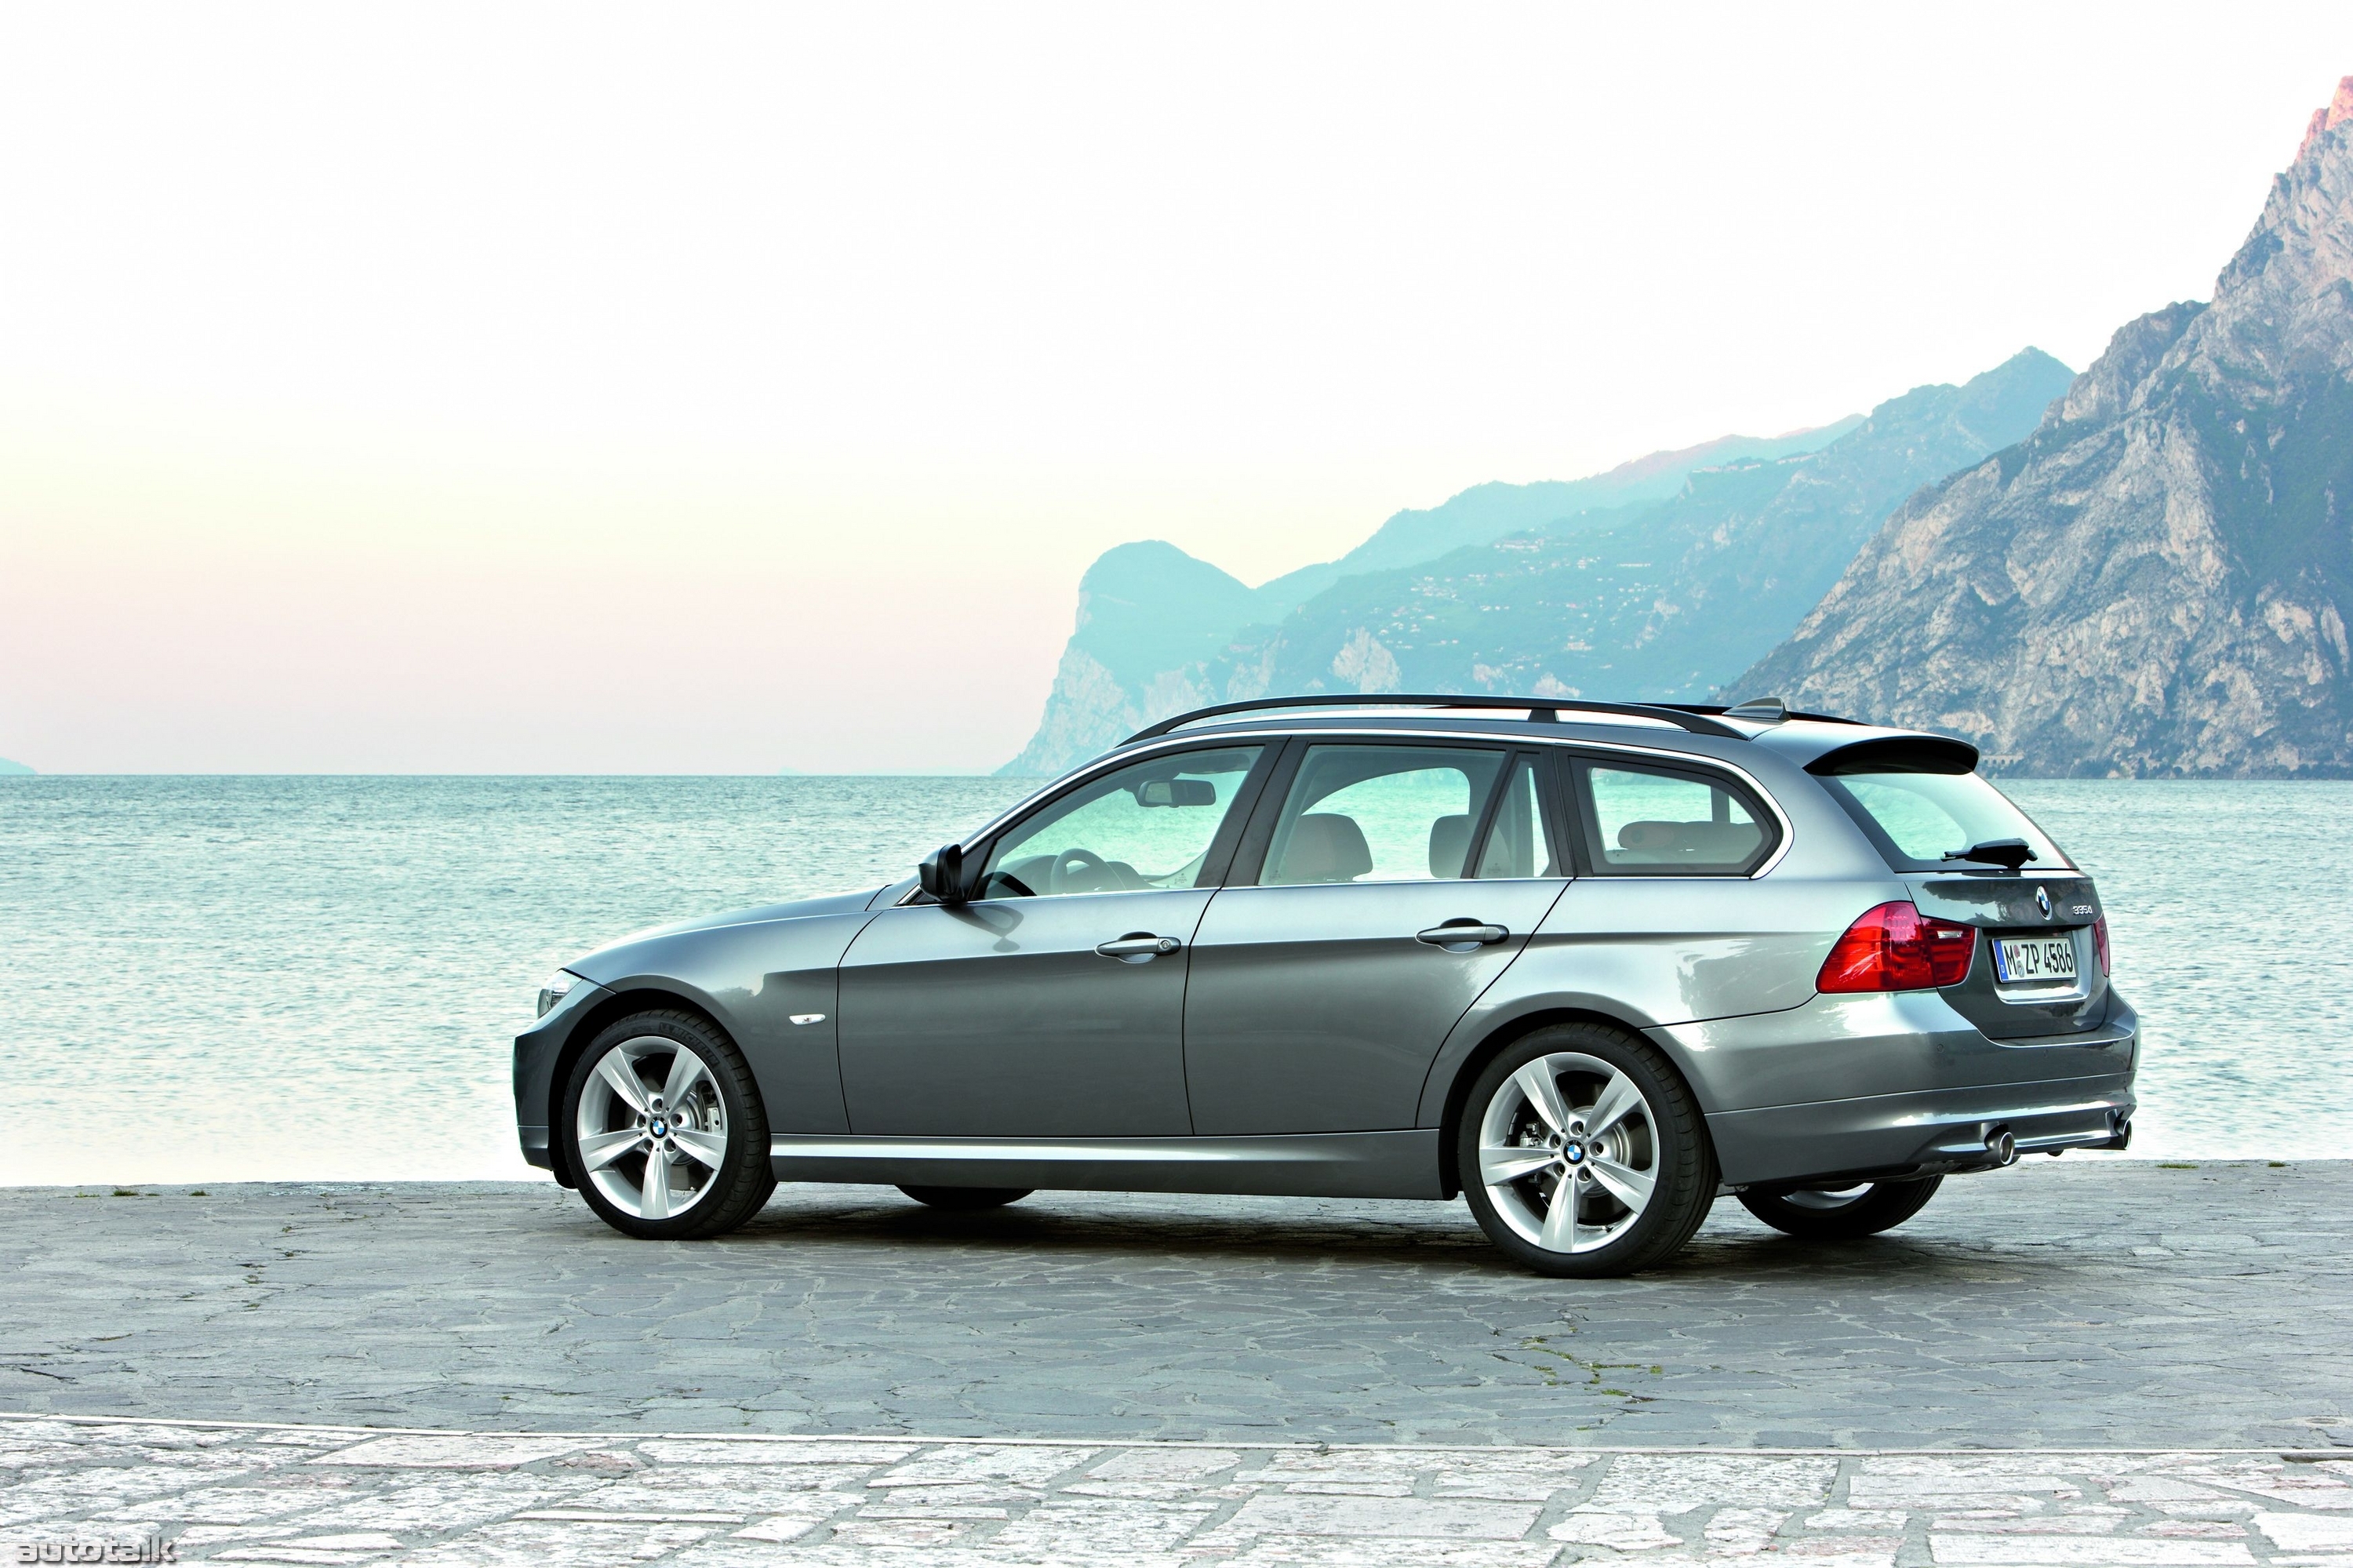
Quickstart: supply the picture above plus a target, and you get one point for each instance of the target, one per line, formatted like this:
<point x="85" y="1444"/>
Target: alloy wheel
<point x="652" y="1129"/>
<point x="1568" y="1152"/>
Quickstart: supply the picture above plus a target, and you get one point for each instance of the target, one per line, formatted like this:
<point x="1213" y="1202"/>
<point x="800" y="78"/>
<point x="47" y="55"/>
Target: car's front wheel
<point x="663" y="1130"/>
<point x="1583" y="1153"/>
<point x="1839" y="1213"/>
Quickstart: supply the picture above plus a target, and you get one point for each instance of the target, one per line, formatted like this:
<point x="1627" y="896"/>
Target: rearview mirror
<point x="941" y="875"/>
<point x="1175" y="792"/>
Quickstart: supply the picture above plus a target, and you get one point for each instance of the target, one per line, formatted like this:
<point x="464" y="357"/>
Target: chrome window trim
<point x="1199" y="742"/>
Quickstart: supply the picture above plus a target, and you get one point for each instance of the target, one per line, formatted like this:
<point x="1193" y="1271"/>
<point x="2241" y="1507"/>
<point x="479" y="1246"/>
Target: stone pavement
<point x="310" y="1494"/>
<point x="2059" y="1304"/>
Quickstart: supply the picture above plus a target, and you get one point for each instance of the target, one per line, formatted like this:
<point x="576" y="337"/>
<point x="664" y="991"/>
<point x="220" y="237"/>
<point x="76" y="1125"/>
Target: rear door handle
<point x="1139" y="948"/>
<point x="1464" y="934"/>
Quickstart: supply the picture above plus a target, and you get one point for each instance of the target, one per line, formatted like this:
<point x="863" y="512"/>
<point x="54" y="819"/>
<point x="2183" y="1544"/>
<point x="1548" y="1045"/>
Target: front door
<point x="1052" y="1004"/>
<point x="1393" y="886"/>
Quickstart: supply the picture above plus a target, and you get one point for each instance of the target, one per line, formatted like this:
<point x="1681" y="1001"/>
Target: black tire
<point x="741" y="1180"/>
<point x="967" y="1197"/>
<point x="1844" y="1214"/>
<point x="1682" y="1167"/>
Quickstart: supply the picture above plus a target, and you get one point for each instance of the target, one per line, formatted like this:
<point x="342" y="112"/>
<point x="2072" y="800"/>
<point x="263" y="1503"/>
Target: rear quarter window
<point x="1657" y="822"/>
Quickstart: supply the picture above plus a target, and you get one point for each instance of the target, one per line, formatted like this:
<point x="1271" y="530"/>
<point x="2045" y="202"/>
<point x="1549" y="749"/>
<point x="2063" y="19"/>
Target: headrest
<point x="1450" y="845"/>
<point x="1708" y="842"/>
<point x="1325" y="847"/>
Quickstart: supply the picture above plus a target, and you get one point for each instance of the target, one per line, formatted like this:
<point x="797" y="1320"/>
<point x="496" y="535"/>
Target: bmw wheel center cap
<point x="1572" y="1153"/>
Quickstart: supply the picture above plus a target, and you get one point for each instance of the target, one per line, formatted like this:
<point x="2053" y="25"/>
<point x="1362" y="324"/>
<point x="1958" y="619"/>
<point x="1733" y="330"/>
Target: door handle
<point x="1139" y="948"/>
<point x="1463" y="935"/>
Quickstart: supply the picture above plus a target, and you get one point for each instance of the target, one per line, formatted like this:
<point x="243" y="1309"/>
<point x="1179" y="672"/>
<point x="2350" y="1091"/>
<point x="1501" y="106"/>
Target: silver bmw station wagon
<point x="1587" y="965"/>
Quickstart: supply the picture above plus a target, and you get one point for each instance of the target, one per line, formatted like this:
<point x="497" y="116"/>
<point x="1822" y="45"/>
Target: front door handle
<point x="1461" y="935"/>
<point x="1139" y="948"/>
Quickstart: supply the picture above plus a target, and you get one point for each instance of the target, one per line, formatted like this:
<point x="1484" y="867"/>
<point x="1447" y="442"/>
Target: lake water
<point x="222" y="978"/>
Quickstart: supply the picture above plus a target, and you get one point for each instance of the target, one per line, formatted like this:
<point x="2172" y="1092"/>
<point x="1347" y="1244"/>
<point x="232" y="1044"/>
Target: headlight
<point x="558" y="986"/>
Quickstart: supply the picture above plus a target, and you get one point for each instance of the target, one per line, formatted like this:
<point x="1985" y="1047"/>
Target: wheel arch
<point x="1501" y="1037"/>
<point x="632" y="996"/>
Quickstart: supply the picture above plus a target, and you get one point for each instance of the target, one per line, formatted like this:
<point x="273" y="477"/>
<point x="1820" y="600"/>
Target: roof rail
<point x="1544" y="710"/>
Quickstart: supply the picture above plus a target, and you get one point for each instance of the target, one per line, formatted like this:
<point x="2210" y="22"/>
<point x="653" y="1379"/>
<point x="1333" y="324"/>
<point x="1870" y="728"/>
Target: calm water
<point x="215" y="978"/>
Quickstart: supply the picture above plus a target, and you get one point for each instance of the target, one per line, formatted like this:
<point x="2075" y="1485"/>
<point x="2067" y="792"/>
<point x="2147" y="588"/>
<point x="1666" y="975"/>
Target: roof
<point x="1801" y="739"/>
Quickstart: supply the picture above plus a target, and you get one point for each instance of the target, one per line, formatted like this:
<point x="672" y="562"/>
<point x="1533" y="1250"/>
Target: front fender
<point x="755" y="980"/>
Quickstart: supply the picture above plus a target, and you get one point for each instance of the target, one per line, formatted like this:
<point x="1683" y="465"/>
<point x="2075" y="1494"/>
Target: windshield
<point x="1921" y="822"/>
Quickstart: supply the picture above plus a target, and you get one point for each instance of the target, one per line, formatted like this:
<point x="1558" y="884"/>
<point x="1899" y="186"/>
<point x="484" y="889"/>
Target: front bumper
<point x="536" y="1052"/>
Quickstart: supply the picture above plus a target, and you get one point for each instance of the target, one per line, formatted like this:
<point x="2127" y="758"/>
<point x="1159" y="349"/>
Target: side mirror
<point x="941" y="875"/>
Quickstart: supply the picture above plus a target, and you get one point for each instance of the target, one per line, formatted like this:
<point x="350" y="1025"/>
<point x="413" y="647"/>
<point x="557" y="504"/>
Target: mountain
<point x="1148" y="613"/>
<point x="1659" y="601"/>
<point x="13" y="770"/>
<point x="2155" y="581"/>
<point x="1658" y="579"/>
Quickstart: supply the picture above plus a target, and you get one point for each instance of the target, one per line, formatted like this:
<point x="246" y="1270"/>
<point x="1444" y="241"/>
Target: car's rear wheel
<point x="1839" y="1213"/>
<point x="967" y="1197"/>
<point x="663" y="1131"/>
<point x="1583" y="1153"/>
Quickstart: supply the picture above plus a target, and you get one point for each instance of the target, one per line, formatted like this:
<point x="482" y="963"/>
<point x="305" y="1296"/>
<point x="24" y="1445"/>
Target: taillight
<point x="2100" y="942"/>
<point x="1895" y="948"/>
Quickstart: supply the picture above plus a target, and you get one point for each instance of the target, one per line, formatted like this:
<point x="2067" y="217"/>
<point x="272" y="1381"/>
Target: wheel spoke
<point x="1627" y="1186"/>
<point x="707" y="1147"/>
<point x="622" y="1079"/>
<point x="1497" y="1166"/>
<point x="1617" y="1096"/>
<point x="654" y="1203"/>
<point x="685" y="1070"/>
<point x="1543" y="1095"/>
<point x="1560" y="1224"/>
<point x="601" y="1149"/>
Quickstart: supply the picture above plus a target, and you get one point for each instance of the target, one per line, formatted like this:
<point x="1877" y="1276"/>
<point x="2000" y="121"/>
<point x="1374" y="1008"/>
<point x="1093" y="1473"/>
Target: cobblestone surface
<point x="450" y="1500"/>
<point x="2054" y="1305"/>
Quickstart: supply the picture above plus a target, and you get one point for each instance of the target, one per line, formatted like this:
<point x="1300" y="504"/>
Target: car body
<point x="1249" y="984"/>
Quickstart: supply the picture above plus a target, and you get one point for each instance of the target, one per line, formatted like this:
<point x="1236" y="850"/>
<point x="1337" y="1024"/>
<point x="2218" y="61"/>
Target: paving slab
<point x="73" y="1488"/>
<point x="2054" y="1305"/>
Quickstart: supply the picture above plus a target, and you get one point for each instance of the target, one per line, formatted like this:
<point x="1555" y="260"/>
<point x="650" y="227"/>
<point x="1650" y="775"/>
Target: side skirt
<point x="1308" y="1165"/>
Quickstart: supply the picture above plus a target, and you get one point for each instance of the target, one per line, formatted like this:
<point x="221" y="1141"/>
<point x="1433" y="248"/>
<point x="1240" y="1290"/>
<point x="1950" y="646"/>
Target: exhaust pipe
<point x="2002" y="1146"/>
<point x="2120" y="1127"/>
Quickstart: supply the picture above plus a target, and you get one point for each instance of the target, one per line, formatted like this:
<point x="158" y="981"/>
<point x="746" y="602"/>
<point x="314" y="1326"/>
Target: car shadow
<point x="1323" y="1235"/>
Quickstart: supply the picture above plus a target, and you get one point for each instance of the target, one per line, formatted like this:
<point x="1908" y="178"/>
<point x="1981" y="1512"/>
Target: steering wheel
<point x="1072" y="860"/>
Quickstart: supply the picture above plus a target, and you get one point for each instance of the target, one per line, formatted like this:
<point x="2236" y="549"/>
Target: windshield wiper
<point x="2011" y="853"/>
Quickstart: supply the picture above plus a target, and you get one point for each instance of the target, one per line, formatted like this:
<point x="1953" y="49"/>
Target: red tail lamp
<point x="1895" y="948"/>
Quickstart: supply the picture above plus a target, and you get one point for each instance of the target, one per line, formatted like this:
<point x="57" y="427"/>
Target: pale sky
<point x="690" y="389"/>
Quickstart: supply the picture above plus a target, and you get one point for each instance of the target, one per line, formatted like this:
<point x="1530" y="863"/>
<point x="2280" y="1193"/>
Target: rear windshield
<point x="1922" y="822"/>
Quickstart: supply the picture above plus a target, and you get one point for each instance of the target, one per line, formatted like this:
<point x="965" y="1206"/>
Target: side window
<point x="1148" y="826"/>
<point x="1520" y="843"/>
<point x="1641" y="821"/>
<point x="1380" y="813"/>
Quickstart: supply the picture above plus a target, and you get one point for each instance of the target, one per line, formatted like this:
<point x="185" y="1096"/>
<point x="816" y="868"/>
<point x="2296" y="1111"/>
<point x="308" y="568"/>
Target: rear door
<point x="1381" y="888"/>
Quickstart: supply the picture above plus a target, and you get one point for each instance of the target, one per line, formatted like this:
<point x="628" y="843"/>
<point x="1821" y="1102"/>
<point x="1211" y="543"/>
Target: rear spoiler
<point x="1899" y="754"/>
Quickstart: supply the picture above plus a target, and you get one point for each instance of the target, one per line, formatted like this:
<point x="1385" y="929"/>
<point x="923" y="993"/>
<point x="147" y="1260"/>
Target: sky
<point x="586" y="388"/>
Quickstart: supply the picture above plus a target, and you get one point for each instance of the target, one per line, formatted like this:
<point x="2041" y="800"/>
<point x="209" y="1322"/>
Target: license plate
<point x="2030" y="960"/>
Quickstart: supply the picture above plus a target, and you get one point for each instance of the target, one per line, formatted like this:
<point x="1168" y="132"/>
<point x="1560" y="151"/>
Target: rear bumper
<point x="1931" y="1132"/>
<point x="1900" y="1085"/>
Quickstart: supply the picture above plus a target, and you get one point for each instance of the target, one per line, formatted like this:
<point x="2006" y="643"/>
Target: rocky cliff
<point x="1152" y="620"/>
<point x="2155" y="581"/>
<point x="1660" y="601"/>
